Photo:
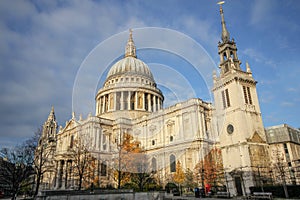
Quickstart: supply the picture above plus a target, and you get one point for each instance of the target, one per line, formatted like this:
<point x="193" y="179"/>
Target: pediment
<point x="256" y="138"/>
<point x="71" y="124"/>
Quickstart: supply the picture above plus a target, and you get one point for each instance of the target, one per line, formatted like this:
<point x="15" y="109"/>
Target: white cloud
<point x="43" y="44"/>
<point x="258" y="56"/>
<point x="287" y="104"/>
<point x="260" y="12"/>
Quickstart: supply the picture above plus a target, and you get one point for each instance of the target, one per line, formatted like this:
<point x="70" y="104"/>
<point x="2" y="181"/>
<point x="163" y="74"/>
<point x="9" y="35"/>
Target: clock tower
<point x="238" y="118"/>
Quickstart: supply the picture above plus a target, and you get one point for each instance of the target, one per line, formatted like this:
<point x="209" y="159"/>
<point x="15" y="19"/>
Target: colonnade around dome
<point x="128" y="100"/>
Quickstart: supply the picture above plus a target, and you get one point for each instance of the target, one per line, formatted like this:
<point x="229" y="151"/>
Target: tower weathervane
<point x="225" y="33"/>
<point x="221" y="2"/>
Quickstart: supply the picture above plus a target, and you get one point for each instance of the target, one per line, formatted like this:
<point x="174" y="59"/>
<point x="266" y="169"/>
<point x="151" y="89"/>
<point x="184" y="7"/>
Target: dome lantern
<point x="130" y="49"/>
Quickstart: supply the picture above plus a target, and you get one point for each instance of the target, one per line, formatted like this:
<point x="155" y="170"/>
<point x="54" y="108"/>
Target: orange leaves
<point x="210" y="170"/>
<point x="179" y="175"/>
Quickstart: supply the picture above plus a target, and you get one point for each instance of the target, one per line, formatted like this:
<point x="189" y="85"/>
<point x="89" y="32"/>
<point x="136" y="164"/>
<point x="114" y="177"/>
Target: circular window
<point x="230" y="128"/>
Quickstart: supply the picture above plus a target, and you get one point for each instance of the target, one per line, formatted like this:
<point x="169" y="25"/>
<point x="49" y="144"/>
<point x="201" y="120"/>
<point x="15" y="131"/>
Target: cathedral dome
<point x="129" y="89"/>
<point x="130" y="66"/>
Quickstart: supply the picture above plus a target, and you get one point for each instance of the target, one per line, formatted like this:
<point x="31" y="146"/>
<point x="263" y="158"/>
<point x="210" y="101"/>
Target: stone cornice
<point x="221" y="82"/>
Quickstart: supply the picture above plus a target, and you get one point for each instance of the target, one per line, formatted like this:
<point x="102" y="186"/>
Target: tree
<point x="43" y="156"/>
<point x="15" y="168"/>
<point x="81" y="159"/>
<point x="131" y="164"/>
<point x="189" y="181"/>
<point x="210" y="169"/>
<point x="141" y="175"/>
<point x="280" y="168"/>
<point x="179" y="175"/>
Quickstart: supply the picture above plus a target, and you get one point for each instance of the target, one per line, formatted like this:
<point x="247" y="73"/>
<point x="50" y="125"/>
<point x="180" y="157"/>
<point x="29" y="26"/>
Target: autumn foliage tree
<point x="210" y="169"/>
<point x="179" y="176"/>
<point x="131" y="163"/>
<point x="189" y="181"/>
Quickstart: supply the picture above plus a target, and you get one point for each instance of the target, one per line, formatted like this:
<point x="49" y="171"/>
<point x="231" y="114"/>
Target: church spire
<point x="49" y="127"/>
<point x="130" y="47"/>
<point x="225" y="33"/>
<point x="51" y="116"/>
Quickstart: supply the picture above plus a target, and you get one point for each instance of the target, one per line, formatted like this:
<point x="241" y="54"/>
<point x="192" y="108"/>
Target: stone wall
<point x="99" y="195"/>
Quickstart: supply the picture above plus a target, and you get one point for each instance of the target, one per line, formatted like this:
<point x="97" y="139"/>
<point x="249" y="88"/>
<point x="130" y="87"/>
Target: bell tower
<point x="238" y="117"/>
<point x="50" y="128"/>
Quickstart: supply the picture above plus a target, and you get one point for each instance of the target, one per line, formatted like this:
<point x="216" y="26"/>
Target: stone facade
<point x="238" y="118"/>
<point x="130" y="102"/>
<point x="285" y="153"/>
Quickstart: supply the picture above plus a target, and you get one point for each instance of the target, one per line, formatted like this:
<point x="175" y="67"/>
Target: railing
<point x="261" y="195"/>
<point x="223" y="195"/>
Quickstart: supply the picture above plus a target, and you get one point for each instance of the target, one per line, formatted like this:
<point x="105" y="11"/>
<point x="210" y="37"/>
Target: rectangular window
<point x="227" y="98"/>
<point x="249" y="96"/>
<point x="245" y="94"/>
<point x="285" y="148"/>
<point x="223" y="99"/>
<point x="172" y="163"/>
<point x="71" y="142"/>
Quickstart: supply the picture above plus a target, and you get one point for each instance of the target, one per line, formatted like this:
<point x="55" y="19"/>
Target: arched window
<point x="153" y="163"/>
<point x="232" y="55"/>
<point x="172" y="163"/>
<point x="224" y="56"/>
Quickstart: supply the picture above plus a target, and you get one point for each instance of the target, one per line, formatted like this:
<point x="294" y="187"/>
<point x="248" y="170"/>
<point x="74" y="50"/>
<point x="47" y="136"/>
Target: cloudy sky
<point x="44" y="45"/>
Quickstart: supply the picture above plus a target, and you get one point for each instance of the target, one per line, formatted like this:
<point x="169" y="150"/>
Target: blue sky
<point x="43" y="45"/>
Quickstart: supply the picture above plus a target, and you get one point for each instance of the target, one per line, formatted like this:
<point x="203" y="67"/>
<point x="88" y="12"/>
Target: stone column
<point x="122" y="101"/>
<point x="203" y="125"/>
<point x="103" y="105"/>
<point x="180" y="124"/>
<point x="143" y="97"/>
<point x="97" y="106"/>
<point x="57" y="175"/>
<point x="108" y="102"/>
<point x="60" y="175"/>
<point x="149" y="103"/>
<point x="154" y="103"/>
<point x="159" y="103"/>
<point x="64" y="175"/>
<point x="115" y="101"/>
<point x="96" y="138"/>
<point x="136" y="100"/>
<point x="128" y="100"/>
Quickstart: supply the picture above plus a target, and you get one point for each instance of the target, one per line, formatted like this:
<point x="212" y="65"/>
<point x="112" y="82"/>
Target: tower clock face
<point x="230" y="128"/>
